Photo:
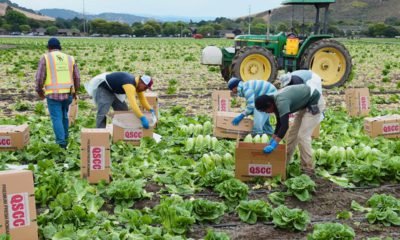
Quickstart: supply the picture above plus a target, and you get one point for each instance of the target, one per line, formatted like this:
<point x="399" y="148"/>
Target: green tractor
<point x="256" y="57"/>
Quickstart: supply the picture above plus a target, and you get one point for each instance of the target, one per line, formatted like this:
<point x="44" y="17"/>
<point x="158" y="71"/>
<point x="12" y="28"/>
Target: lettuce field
<point x="184" y="187"/>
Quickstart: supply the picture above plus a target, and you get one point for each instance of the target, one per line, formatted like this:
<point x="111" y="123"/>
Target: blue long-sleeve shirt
<point x="251" y="90"/>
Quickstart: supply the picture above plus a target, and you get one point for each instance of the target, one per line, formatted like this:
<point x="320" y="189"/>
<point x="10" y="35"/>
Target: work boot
<point x="63" y="146"/>
<point x="314" y="109"/>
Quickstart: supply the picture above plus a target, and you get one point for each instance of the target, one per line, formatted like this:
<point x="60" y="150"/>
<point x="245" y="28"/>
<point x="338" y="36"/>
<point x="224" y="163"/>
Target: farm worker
<point x="111" y="89"/>
<point x="251" y="90"/>
<point x="289" y="100"/>
<point x="307" y="77"/>
<point x="57" y="78"/>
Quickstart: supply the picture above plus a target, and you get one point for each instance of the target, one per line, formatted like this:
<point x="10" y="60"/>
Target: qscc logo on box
<point x="223" y="106"/>
<point x="389" y="128"/>
<point x="97" y="159"/>
<point x="260" y="170"/>
<point x="18" y="210"/>
<point x="133" y="134"/>
<point x="5" y="141"/>
<point x="364" y="103"/>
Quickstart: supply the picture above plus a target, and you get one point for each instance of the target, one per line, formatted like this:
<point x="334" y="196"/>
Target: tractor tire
<point x="226" y="72"/>
<point x="255" y="63"/>
<point x="330" y="60"/>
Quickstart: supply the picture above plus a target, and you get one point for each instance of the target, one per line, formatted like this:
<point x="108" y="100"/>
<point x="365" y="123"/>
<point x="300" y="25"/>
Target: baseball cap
<point x="147" y="80"/>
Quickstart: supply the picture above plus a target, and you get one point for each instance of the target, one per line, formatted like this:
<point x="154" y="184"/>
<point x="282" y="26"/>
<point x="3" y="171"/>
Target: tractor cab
<point x="318" y="6"/>
<point x="259" y="57"/>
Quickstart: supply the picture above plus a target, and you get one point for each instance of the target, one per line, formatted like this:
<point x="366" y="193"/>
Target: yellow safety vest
<point x="59" y="71"/>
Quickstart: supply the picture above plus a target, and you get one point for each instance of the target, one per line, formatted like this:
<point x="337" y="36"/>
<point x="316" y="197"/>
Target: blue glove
<point x="271" y="147"/>
<point x="145" y="122"/>
<point x="237" y="119"/>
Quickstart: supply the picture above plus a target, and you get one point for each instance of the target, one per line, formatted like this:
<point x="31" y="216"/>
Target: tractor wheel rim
<point x="255" y="66"/>
<point x="329" y="64"/>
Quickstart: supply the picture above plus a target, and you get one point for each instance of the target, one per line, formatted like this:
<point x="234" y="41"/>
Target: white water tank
<point x="211" y="55"/>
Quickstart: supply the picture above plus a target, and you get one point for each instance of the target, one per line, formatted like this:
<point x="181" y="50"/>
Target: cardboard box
<point x="95" y="155"/>
<point x="17" y="205"/>
<point x="13" y="137"/>
<point x="223" y="127"/>
<point x="152" y="98"/>
<point x="221" y="101"/>
<point x="315" y="133"/>
<point x="357" y="101"/>
<point x="250" y="161"/>
<point x="109" y="128"/>
<point x="127" y="127"/>
<point x="73" y="112"/>
<point x="386" y="126"/>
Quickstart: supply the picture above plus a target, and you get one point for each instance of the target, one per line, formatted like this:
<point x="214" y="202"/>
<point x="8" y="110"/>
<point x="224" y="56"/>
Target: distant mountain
<point x="120" y="17"/>
<point x="172" y="18"/>
<point x="348" y="11"/>
<point x="69" y="14"/>
<point x="29" y="13"/>
<point x="11" y="4"/>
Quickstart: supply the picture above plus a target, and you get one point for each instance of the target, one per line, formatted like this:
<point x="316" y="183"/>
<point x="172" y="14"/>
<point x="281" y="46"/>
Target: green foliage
<point x="215" y="177"/>
<point x="291" y="219"/>
<point x="277" y="198"/>
<point x="211" y="235"/>
<point x="52" y="30"/>
<point x="233" y="191"/>
<point x="381" y="208"/>
<point x="205" y="210"/>
<point x="15" y="18"/>
<point x="125" y="190"/>
<point x="323" y="231"/>
<point x="253" y="211"/>
<point x="206" y="30"/>
<point x="175" y="214"/>
<point x="301" y="187"/>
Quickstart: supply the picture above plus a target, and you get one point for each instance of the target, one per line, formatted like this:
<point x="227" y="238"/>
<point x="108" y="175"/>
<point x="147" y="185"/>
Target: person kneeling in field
<point x="111" y="89"/>
<point x="250" y="90"/>
<point x="289" y="100"/>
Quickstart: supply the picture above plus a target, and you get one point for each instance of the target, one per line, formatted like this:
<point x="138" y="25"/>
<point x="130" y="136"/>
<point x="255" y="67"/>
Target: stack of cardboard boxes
<point x="223" y="127"/>
<point x="222" y="115"/>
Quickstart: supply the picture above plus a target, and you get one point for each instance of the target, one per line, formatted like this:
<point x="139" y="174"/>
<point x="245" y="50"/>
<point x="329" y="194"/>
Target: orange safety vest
<point x="59" y="71"/>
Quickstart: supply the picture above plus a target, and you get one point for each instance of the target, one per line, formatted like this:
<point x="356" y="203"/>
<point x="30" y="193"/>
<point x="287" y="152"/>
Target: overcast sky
<point x="195" y="8"/>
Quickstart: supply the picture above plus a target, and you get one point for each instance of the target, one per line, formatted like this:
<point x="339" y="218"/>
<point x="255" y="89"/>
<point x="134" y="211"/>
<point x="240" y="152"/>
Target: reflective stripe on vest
<point x="58" y="73"/>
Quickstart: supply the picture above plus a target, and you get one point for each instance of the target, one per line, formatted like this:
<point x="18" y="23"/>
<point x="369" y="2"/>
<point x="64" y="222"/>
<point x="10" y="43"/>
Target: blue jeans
<point x="261" y="123"/>
<point x="59" y="117"/>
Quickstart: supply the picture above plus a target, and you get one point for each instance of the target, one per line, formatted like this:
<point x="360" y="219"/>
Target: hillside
<point x="349" y="11"/>
<point x="69" y="14"/>
<point x="28" y="14"/>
